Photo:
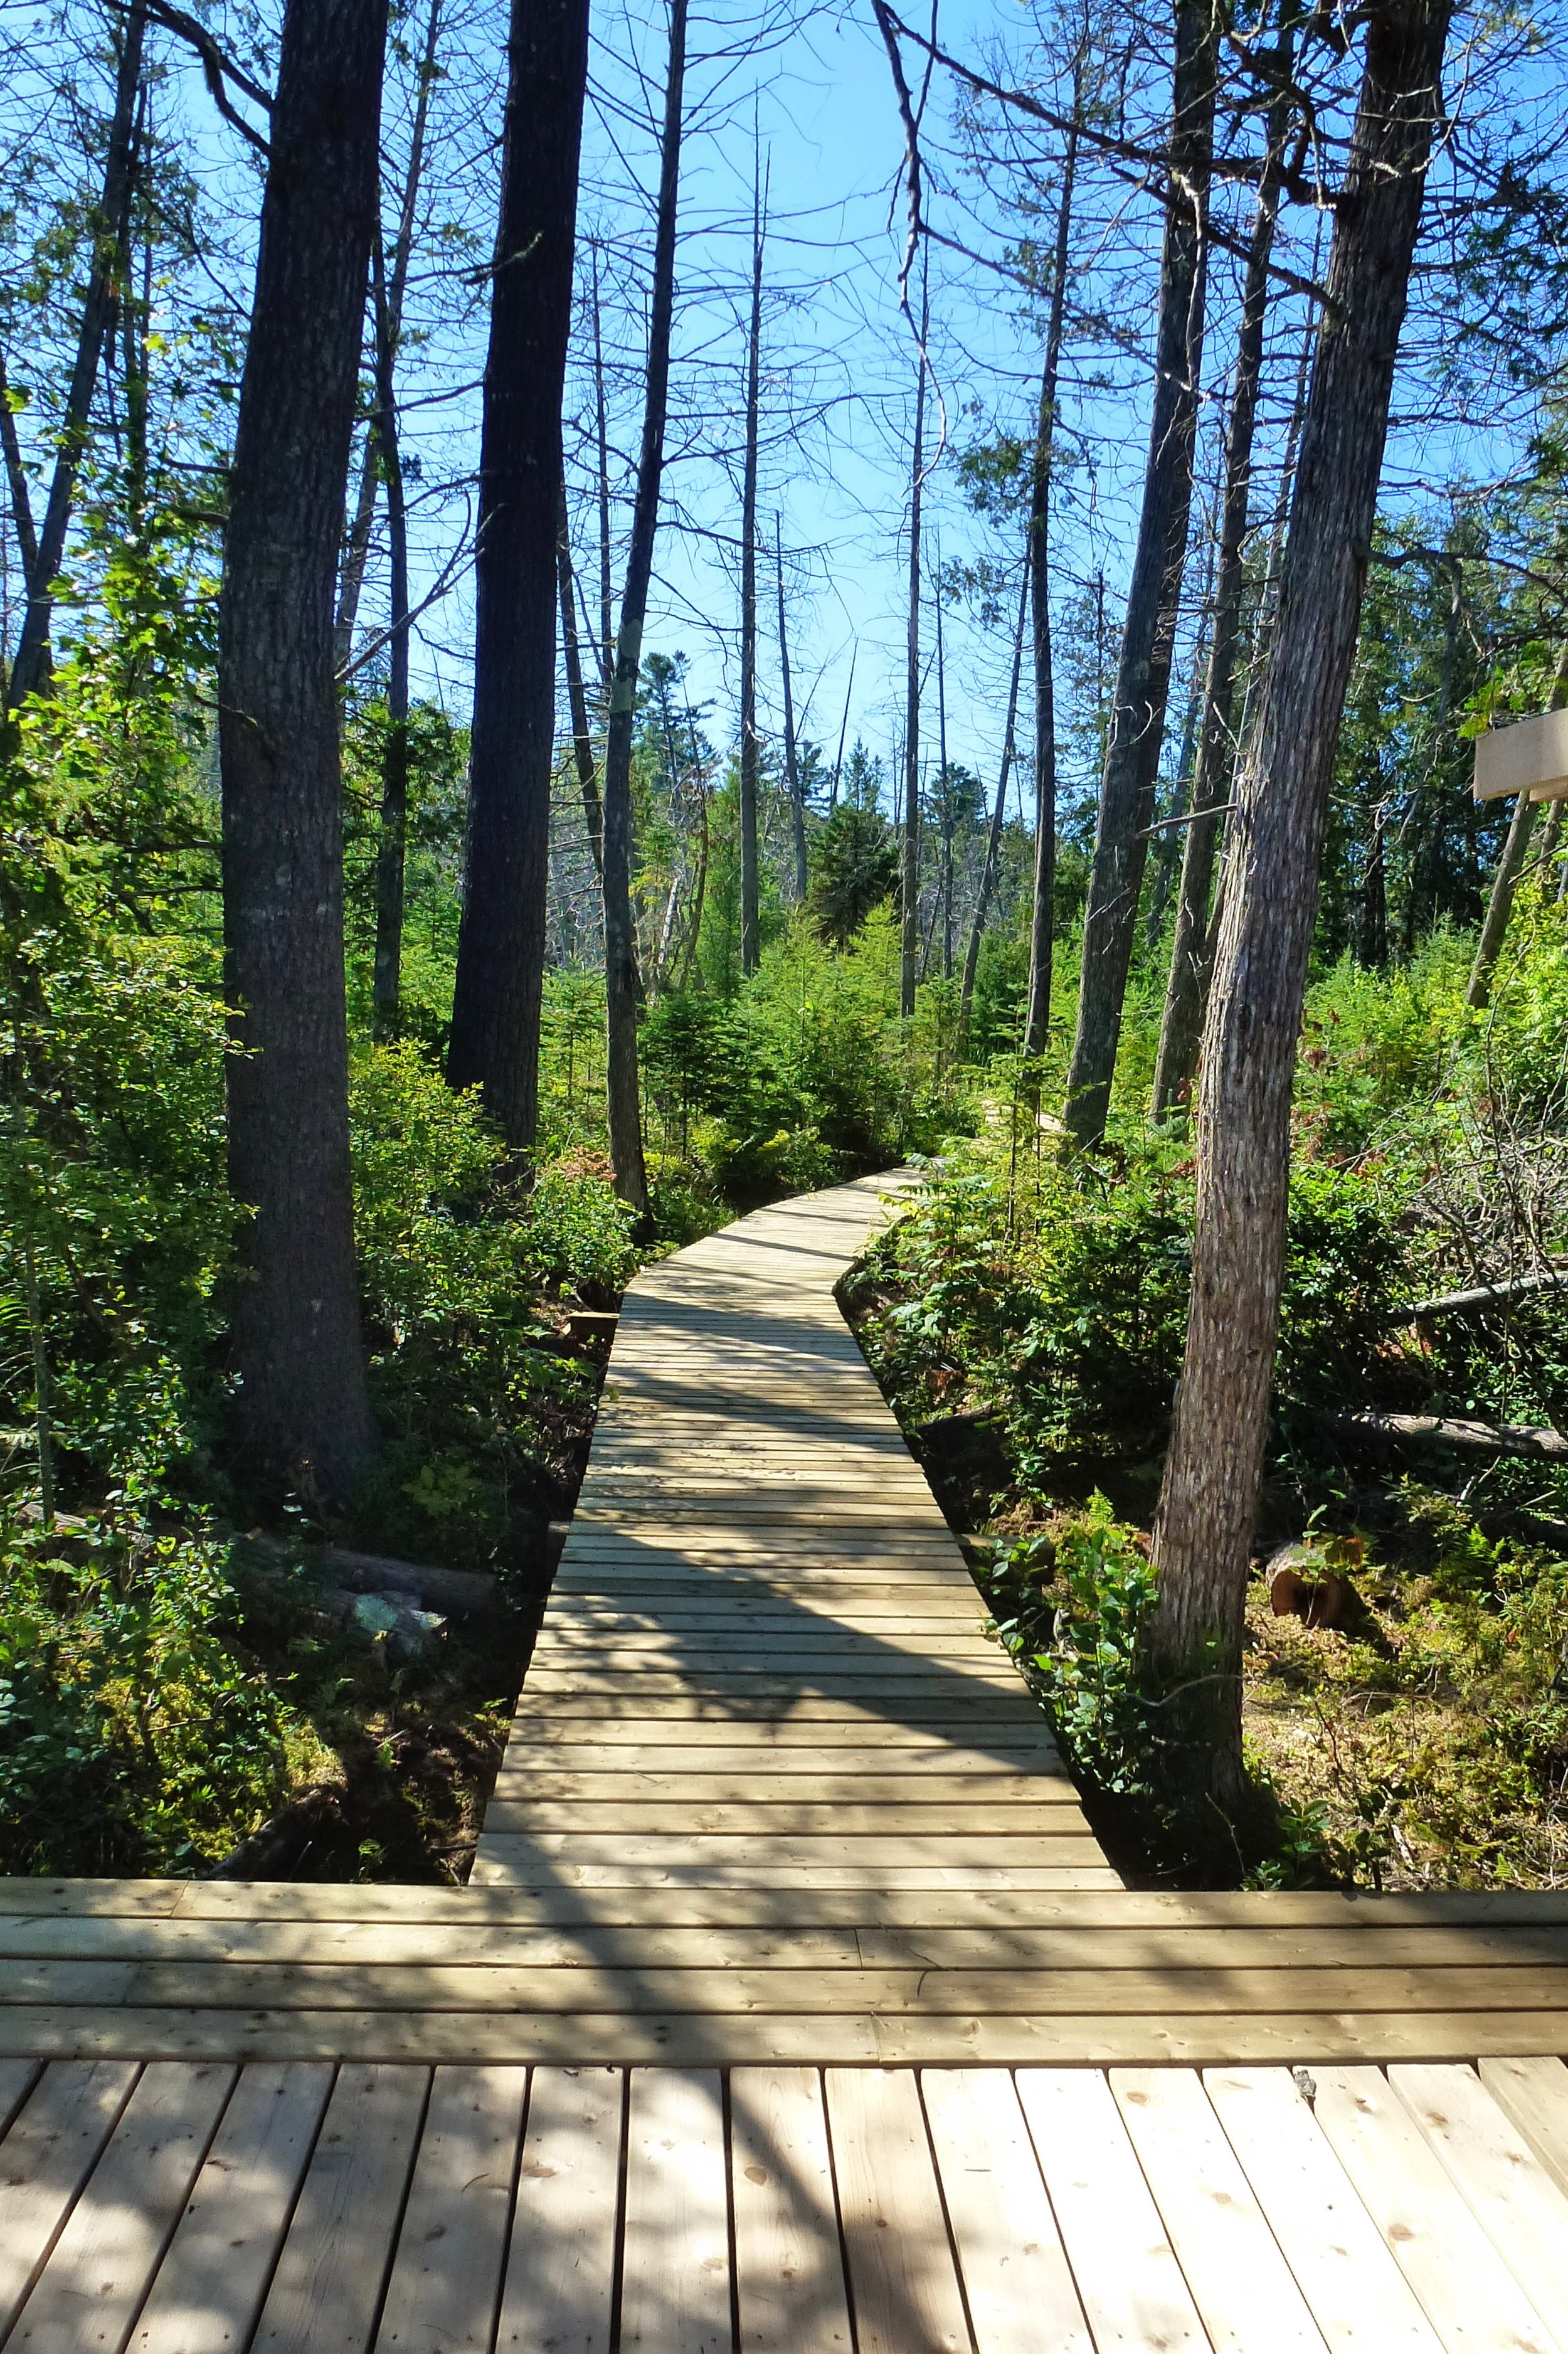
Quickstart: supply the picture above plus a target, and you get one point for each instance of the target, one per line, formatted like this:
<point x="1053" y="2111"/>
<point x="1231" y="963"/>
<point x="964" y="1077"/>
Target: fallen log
<point x="372" y="1573"/>
<point x="1447" y="1430"/>
<point x="1481" y="1295"/>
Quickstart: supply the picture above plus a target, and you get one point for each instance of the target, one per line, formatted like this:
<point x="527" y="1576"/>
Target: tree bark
<point x="909" y="870"/>
<point x="106" y="228"/>
<point x="303" y="1405"/>
<point x="998" y="821"/>
<point x="501" y="944"/>
<point x="601" y="434"/>
<point x="577" y="696"/>
<point x="1043" y="900"/>
<point x="1209" y="1499"/>
<point x="943" y="785"/>
<point x="624" y="1097"/>
<point x="387" y="976"/>
<point x="358" y="550"/>
<point x="1143" y="675"/>
<point x="1182" y="1023"/>
<point x="750" y="935"/>
<point x="791" y="758"/>
<point x="1511" y="869"/>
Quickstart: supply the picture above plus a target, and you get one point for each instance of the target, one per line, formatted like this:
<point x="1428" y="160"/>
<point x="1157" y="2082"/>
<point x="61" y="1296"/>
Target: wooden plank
<point x="1469" y="2296"/>
<point x="1534" y="2094"/>
<point x="1359" y="2297"/>
<point x="446" y="2275"/>
<point x="1051" y="1814"/>
<point x="1502" y="2182"/>
<point x="92" y="2288"/>
<point x="1128" y="2277"/>
<point x="789" y="2280"/>
<point x="326" y="2291"/>
<point x="18" y="2078"/>
<point x="210" y="2287"/>
<point x="560" y="2268"/>
<point x="1245" y="2293"/>
<point x="45" y="2157"/>
<point x="675" y="2279"/>
<point x="980" y="1792"/>
<point x="902" y="2276"/>
<point x="1017" y="2280"/>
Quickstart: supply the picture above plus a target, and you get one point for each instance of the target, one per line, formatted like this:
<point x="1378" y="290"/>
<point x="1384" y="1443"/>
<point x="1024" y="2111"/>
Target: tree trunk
<point x="624" y="1097"/>
<point x="386" y="980"/>
<point x="501" y="945"/>
<point x="750" y="935"/>
<point x="843" y="731"/>
<point x="16" y="483"/>
<point x="944" y="786"/>
<point x="106" y="226"/>
<point x="1511" y="868"/>
<point x="1182" y="1023"/>
<point x="601" y="434"/>
<point x="577" y="696"/>
<point x="1209" y="1500"/>
<point x="791" y="759"/>
<point x="1041" y="913"/>
<point x="1143" y="675"/>
<point x="909" y="874"/>
<point x="358" y="550"/>
<point x="998" y="821"/>
<point x="303" y="1405"/>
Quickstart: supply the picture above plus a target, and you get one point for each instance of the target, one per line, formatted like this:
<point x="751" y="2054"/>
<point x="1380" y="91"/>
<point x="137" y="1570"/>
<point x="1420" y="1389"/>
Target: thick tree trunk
<point x="998" y="821"/>
<point x="501" y="945"/>
<point x="1208" y="1503"/>
<point x="623" y="1094"/>
<point x="577" y="696"/>
<point x="1181" y="1023"/>
<point x="1143" y="675"/>
<point x="303" y="1405"/>
<point x="1511" y="868"/>
<point x="1043" y="899"/>
<point x="387" y="978"/>
<point x="792" y="757"/>
<point x="750" y="935"/>
<point x="909" y="866"/>
<point x="357" y="549"/>
<point x="108" y="228"/>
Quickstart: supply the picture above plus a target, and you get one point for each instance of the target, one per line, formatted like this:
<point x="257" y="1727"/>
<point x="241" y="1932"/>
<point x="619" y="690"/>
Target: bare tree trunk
<point x="357" y="549"/>
<point x="107" y="228"/>
<point x="303" y="1405"/>
<point x="386" y="979"/>
<point x="624" y="1097"/>
<point x="601" y="433"/>
<point x="1138" y="716"/>
<point x="1182" y="1023"/>
<point x="909" y="877"/>
<point x="501" y="946"/>
<point x="750" y="937"/>
<point x="791" y="760"/>
<point x="944" y="784"/>
<point x="1209" y="1500"/>
<point x="576" y="696"/>
<point x="843" y="731"/>
<point x="16" y="483"/>
<point x="997" y="820"/>
<point x="1511" y="868"/>
<point x="1042" y="914"/>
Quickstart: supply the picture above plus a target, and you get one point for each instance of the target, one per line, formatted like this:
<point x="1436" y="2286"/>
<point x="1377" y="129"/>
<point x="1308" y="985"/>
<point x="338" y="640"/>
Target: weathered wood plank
<point x="1534" y="2094"/>
<point x="789" y="2280"/>
<point x="675" y="2280"/>
<point x="210" y="2284"/>
<point x="905" y="2288"/>
<point x="46" y="2156"/>
<point x="446" y="2275"/>
<point x="560" y="2268"/>
<point x="1016" y="2276"/>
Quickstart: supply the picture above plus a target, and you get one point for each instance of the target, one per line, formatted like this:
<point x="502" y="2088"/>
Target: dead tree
<point x="791" y="754"/>
<point x="909" y="870"/>
<point x="998" y="818"/>
<point x="750" y="933"/>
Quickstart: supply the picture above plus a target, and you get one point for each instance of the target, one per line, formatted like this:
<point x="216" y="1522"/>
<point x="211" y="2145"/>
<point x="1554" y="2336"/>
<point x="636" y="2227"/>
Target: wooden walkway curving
<point x="792" y="2007"/>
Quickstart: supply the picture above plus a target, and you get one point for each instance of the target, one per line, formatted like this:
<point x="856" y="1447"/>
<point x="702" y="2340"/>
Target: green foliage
<point x="854" y="868"/>
<point x="1073" y="1613"/>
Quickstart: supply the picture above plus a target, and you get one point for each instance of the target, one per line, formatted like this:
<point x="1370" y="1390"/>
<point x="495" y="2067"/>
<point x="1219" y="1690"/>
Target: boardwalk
<point x="792" y="2007"/>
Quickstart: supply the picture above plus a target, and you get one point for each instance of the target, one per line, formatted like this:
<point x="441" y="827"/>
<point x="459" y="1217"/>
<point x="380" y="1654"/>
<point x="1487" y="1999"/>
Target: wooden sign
<point x="1531" y="757"/>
